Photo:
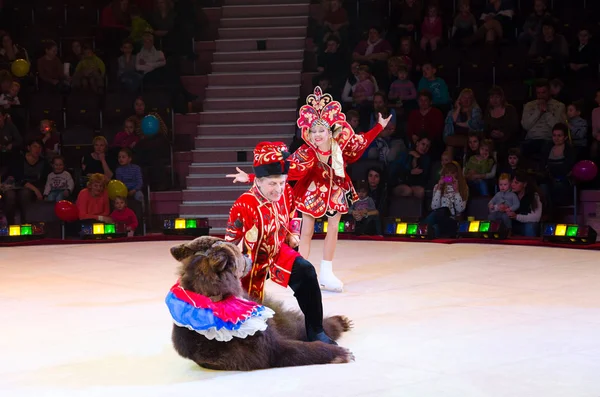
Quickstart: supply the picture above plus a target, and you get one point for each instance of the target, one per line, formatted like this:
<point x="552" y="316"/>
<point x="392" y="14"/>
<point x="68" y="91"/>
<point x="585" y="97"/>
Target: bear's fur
<point x="212" y="267"/>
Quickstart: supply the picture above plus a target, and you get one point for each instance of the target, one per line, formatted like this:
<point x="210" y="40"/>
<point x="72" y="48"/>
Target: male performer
<point x="262" y="222"/>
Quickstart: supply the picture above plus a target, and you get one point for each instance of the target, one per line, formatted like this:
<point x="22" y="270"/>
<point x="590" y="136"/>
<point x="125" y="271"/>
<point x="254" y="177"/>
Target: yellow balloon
<point x="20" y="68"/>
<point x="116" y="189"/>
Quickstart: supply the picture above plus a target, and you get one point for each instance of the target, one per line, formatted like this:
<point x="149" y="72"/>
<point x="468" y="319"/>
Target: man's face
<point x="272" y="187"/>
<point x="542" y="93"/>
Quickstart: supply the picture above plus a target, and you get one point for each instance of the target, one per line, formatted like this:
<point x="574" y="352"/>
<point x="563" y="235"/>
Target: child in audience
<point x="128" y="76"/>
<point x="431" y="28"/>
<point x="365" y="211"/>
<point x="445" y="159"/>
<point x="437" y="86"/>
<point x="124" y="214"/>
<point x="50" y="138"/>
<point x="130" y="175"/>
<point x="127" y="138"/>
<point x="353" y="118"/>
<point x="11" y="98"/>
<point x="481" y="167"/>
<point x="364" y="89"/>
<point x="406" y="55"/>
<point x="578" y="127"/>
<point x="503" y="202"/>
<point x="59" y="184"/>
<point x="403" y="90"/>
<point x="513" y="162"/>
<point x="465" y="25"/>
<point x="90" y="71"/>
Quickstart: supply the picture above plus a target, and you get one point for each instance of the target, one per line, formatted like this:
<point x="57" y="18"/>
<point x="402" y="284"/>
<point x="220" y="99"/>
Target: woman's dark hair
<point x="426" y="94"/>
<point x="531" y="187"/>
<point x="36" y="140"/>
<point x="377" y="170"/>
<point x="561" y="127"/>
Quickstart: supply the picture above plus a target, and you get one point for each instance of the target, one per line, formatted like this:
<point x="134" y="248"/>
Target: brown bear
<point x="212" y="269"/>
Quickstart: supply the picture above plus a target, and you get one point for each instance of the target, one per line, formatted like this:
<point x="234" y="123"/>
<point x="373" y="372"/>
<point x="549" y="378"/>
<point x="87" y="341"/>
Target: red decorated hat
<point x="270" y="159"/>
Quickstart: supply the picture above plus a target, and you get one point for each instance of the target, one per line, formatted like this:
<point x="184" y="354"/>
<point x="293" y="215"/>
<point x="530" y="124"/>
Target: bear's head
<point x="211" y="267"/>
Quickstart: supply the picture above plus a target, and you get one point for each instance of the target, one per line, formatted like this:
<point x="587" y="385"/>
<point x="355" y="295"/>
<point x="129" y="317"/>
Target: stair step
<point x="265" y="2"/>
<point x="206" y="180"/>
<point x="219" y="193"/>
<point x="206" y="207"/>
<point x="262" y="32"/>
<point x="260" y="10"/>
<point x="250" y="103"/>
<point x="213" y="141"/>
<point x="257" y="55"/>
<point x="273" y="43"/>
<point x="284" y="128"/>
<point x="249" y="116"/>
<point x="218" y="168"/>
<point x="220" y="154"/>
<point x="256" y="91"/>
<point x="280" y="21"/>
<point x="257" y="66"/>
<point x="238" y="80"/>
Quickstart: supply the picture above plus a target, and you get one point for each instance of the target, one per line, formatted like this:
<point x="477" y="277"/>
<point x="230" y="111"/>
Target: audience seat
<point x="43" y="211"/>
<point x="46" y="106"/>
<point x="477" y="207"/>
<point x="406" y="208"/>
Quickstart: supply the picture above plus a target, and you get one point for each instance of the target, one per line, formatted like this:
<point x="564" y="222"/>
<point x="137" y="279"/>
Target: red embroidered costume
<point x="262" y="226"/>
<point x="322" y="187"/>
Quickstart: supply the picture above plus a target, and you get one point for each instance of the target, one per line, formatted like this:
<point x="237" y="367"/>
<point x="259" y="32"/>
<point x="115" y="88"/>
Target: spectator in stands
<point x="11" y="98"/>
<point x="512" y="164"/>
<point x="558" y="159"/>
<point x="497" y="19"/>
<point x="407" y="18"/>
<point x="503" y="202"/>
<point x="139" y="108"/>
<point x="10" y="137"/>
<point x="533" y="24"/>
<point x="29" y="173"/>
<point x="332" y="64"/>
<point x="365" y="87"/>
<point x="583" y="60"/>
<point x="501" y="121"/>
<point x="558" y="92"/>
<point x="425" y="119"/>
<point x="449" y="201"/>
<point x="353" y="118"/>
<point x="431" y="28"/>
<point x="465" y="117"/>
<point x="595" y="146"/>
<point x="115" y="22"/>
<point x="403" y="90"/>
<point x="138" y="27"/>
<point x="377" y="188"/>
<point x="335" y="23"/>
<point x="539" y="117"/>
<point x="385" y="147"/>
<point x="472" y="149"/>
<point x="408" y="55"/>
<point x="130" y="174"/>
<point x="95" y="162"/>
<point x="351" y="81"/>
<point x="149" y="58"/>
<point x="409" y="174"/>
<point x="550" y="51"/>
<point x="446" y="158"/>
<point x="90" y="72"/>
<point x="374" y="51"/>
<point x="74" y="56"/>
<point x="464" y="25"/>
<point x="49" y="136"/>
<point x="59" y="184"/>
<point x="525" y="220"/>
<point x="364" y="211"/>
<point x="162" y="20"/>
<point x="50" y="70"/>
<point x="480" y="169"/>
<point x="393" y="63"/>
<point x="578" y="127"/>
<point x="92" y="202"/>
<point x="10" y="51"/>
<point x="127" y="73"/>
<point x="436" y="85"/>
<point x="129" y="137"/>
<point x="123" y="214"/>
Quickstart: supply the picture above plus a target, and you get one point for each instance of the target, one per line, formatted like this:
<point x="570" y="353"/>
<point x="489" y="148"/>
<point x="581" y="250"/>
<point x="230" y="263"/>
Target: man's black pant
<point x="304" y="283"/>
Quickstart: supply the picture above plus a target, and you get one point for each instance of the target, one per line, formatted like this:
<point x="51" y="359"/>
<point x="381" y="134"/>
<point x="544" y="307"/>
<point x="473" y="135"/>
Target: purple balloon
<point x="585" y="171"/>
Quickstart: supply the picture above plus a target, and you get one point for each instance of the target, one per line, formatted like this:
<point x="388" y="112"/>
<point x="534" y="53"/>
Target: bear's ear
<point x="181" y="252"/>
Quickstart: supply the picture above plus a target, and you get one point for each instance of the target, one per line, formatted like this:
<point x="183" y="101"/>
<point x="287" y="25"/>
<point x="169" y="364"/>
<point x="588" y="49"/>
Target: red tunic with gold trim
<point x="320" y="189"/>
<point x="262" y="226"/>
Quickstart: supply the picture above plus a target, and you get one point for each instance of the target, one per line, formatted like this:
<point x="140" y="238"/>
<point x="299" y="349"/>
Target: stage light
<point x="395" y="227"/>
<point x="186" y="227"/>
<point x="482" y="229"/>
<point x="21" y="232"/>
<point x="347" y="225"/>
<point x="569" y="234"/>
<point x="103" y="231"/>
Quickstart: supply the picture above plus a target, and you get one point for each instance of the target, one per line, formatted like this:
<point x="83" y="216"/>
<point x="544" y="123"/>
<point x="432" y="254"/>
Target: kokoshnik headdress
<point x="322" y="110"/>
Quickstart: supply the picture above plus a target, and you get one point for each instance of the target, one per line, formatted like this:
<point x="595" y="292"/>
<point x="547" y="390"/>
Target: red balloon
<point x="585" y="171"/>
<point x="66" y="211"/>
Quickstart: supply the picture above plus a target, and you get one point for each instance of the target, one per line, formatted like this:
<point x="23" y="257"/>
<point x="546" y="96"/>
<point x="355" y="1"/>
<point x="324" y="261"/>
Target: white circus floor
<point x="431" y="320"/>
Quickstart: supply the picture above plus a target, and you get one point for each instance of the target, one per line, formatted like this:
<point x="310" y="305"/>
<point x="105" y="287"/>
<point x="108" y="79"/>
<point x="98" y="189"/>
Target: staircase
<point x="252" y="95"/>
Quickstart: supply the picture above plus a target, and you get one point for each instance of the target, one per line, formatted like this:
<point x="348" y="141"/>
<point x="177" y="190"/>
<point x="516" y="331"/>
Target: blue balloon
<point x="150" y="125"/>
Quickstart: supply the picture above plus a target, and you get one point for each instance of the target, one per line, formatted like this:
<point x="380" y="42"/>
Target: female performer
<point x="324" y="187"/>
